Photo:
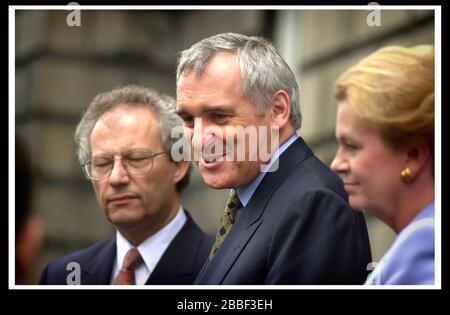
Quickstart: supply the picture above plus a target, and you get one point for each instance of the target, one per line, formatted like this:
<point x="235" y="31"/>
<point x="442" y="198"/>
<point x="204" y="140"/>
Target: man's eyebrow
<point x="207" y="109"/>
<point x="213" y="109"/>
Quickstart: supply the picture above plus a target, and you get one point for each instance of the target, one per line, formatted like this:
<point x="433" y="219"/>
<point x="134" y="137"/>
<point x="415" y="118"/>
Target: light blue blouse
<point x="410" y="259"/>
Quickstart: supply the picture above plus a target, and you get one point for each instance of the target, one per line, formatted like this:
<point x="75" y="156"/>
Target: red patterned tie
<point x="126" y="274"/>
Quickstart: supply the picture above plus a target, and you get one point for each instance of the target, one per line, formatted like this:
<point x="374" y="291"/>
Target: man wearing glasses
<point x="124" y="146"/>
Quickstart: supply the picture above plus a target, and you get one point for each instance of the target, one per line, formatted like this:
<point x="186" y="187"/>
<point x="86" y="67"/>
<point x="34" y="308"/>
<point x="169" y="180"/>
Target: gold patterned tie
<point x="233" y="204"/>
<point x="131" y="261"/>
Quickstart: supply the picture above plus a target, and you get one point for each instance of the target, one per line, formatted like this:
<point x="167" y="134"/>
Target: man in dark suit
<point x="124" y="145"/>
<point x="287" y="220"/>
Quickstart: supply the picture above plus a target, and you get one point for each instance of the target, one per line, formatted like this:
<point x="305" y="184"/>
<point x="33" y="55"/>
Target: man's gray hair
<point x="163" y="106"/>
<point x="263" y="70"/>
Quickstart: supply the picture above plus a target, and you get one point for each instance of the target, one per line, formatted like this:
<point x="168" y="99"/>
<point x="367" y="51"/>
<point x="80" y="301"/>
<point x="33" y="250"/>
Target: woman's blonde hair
<point x="393" y="89"/>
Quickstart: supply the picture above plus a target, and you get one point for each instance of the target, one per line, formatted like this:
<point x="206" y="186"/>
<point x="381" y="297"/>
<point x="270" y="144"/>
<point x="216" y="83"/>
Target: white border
<point x="12" y="146"/>
<point x="11" y="120"/>
<point x="224" y="7"/>
<point x="437" y="148"/>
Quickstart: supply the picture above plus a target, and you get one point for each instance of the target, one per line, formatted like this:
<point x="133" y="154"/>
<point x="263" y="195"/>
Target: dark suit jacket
<point x="296" y="229"/>
<point x="179" y="264"/>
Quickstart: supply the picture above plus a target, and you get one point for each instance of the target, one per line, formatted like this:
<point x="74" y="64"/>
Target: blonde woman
<point x="385" y="131"/>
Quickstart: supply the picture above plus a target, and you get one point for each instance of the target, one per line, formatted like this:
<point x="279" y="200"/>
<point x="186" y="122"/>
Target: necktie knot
<point x="132" y="260"/>
<point x="233" y="204"/>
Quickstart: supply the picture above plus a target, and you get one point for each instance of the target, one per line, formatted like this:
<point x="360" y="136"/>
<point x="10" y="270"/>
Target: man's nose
<point x="119" y="174"/>
<point x="201" y="135"/>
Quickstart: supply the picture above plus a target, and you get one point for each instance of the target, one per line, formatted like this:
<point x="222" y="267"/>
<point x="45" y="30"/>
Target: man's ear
<point x="181" y="169"/>
<point x="281" y="109"/>
<point x="419" y="156"/>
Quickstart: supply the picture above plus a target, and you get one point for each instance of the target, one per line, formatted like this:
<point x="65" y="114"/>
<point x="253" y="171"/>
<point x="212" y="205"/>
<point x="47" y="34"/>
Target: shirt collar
<point x="153" y="247"/>
<point x="245" y="193"/>
<point x="427" y="212"/>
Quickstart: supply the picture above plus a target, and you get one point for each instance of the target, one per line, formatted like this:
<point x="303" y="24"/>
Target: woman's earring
<point x="406" y="175"/>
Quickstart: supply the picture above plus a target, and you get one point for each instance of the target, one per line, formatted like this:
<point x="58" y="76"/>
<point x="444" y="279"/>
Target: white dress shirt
<point x="151" y="249"/>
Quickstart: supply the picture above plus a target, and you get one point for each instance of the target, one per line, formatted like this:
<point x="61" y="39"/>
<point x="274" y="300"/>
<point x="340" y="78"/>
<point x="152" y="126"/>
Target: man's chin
<point x="217" y="181"/>
<point x="215" y="185"/>
<point x="124" y="217"/>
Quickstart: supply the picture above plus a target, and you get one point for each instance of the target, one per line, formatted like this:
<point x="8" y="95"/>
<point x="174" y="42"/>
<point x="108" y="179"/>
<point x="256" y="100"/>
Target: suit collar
<point x="291" y="157"/>
<point x="245" y="193"/>
<point x="250" y="217"/>
<point x="151" y="249"/>
<point x="169" y="267"/>
<point x="99" y="269"/>
<point x="224" y="258"/>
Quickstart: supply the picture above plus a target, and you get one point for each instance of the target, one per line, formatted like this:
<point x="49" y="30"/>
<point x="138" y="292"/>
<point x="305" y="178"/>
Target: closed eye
<point x="138" y="162"/>
<point x="101" y="162"/>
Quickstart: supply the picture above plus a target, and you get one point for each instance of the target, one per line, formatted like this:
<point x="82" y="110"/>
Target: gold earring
<point x="406" y="175"/>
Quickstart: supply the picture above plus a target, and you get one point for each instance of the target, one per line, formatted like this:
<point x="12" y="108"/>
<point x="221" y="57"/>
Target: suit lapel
<point x="170" y="269"/>
<point x="200" y="276"/>
<point x="250" y="217"/>
<point x="214" y="271"/>
<point x="99" y="269"/>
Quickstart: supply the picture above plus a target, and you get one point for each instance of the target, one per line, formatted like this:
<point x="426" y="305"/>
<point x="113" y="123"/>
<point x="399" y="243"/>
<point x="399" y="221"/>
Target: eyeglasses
<point x="135" y="162"/>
